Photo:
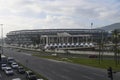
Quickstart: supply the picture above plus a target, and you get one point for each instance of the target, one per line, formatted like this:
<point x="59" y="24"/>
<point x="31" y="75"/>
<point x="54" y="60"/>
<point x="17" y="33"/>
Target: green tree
<point x="116" y="39"/>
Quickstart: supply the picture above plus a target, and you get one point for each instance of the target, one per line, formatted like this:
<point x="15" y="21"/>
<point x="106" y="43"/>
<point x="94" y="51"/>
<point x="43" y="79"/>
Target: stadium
<point x="56" y="38"/>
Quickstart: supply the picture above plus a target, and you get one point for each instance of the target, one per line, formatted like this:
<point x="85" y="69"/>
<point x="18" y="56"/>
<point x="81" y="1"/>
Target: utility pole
<point x="2" y="36"/>
<point x="102" y="45"/>
<point x="1" y="42"/>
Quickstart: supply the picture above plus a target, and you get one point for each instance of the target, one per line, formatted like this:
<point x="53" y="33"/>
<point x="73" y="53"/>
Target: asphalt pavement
<point x="59" y="70"/>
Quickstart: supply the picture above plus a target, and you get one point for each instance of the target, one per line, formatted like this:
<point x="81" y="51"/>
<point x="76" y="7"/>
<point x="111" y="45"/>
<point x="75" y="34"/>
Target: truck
<point x="3" y="59"/>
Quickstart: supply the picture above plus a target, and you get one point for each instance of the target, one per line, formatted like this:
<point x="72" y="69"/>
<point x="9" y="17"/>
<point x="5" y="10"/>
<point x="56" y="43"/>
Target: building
<point x="57" y="38"/>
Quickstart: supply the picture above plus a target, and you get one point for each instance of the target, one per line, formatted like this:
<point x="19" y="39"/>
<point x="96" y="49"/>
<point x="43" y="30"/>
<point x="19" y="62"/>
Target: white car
<point x="8" y="71"/>
<point x="3" y="66"/>
<point x="16" y="79"/>
<point x="40" y="79"/>
<point x="14" y="65"/>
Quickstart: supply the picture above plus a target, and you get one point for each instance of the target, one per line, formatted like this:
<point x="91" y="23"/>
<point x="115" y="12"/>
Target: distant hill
<point x="111" y="27"/>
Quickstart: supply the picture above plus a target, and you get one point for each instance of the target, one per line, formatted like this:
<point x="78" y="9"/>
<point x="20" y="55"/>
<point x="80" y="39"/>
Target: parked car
<point x="10" y="60"/>
<point x="14" y="65"/>
<point x="8" y="71"/>
<point x="40" y="79"/>
<point x="30" y="75"/>
<point x="16" y="79"/>
<point x="19" y="50"/>
<point x="93" y="56"/>
<point x="21" y="70"/>
<point x="3" y="66"/>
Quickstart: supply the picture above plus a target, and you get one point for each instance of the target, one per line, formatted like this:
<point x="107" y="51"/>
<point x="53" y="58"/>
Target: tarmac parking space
<point x="3" y="76"/>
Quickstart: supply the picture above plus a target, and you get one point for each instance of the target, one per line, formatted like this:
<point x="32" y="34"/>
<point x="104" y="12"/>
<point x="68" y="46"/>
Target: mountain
<point x="111" y="27"/>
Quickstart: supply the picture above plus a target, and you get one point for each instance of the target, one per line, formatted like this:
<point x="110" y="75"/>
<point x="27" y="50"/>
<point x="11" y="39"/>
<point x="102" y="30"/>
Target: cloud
<point x="33" y="14"/>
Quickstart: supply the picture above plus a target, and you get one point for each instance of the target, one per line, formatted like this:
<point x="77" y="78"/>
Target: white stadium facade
<point x="56" y="38"/>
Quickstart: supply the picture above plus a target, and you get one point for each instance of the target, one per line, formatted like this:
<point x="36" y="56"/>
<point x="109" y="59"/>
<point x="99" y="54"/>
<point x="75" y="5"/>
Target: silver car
<point x="16" y="79"/>
<point x="3" y="66"/>
<point x="9" y="71"/>
<point x="14" y="65"/>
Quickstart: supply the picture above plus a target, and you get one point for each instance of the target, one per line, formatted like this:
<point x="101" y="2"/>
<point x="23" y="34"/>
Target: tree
<point x="116" y="39"/>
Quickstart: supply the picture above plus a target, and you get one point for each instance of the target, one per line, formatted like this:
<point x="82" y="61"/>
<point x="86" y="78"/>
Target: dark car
<point x="21" y="70"/>
<point x="30" y="75"/>
<point x="93" y="56"/>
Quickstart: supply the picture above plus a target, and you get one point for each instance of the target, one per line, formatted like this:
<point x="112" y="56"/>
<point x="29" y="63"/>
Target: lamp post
<point x="2" y="38"/>
<point x="1" y="42"/>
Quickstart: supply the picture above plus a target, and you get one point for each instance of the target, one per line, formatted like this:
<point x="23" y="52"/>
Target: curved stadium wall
<point x="28" y="37"/>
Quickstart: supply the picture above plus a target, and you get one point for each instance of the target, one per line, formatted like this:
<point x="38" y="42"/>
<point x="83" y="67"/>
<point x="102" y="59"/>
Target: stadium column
<point x="86" y="38"/>
<point x="83" y="39"/>
<point x="52" y="39"/>
<point x="67" y="40"/>
<point x="57" y="39"/>
<point x="46" y="39"/>
<point x="62" y="40"/>
<point x="77" y="39"/>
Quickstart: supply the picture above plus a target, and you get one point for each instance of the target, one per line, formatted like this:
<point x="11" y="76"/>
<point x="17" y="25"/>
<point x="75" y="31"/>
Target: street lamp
<point x="1" y="42"/>
<point x="1" y="38"/>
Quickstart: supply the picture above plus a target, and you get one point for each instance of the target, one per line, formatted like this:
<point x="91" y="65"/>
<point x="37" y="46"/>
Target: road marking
<point x="26" y="54"/>
<point x="66" y="70"/>
<point x="54" y="60"/>
<point x="87" y="77"/>
<point x="98" y="74"/>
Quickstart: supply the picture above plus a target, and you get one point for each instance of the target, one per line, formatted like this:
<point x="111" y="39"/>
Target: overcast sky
<point x="46" y="14"/>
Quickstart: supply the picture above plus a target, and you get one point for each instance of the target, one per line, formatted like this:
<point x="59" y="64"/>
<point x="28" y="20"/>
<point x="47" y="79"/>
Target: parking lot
<point x="3" y="76"/>
<point x="10" y="71"/>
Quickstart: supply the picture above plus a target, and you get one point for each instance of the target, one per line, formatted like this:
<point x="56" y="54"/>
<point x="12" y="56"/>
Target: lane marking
<point x="54" y="60"/>
<point x="26" y="54"/>
<point x="98" y="74"/>
<point x="87" y="77"/>
<point x="66" y="70"/>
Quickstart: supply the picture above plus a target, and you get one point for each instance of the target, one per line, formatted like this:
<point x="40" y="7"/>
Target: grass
<point x="85" y="61"/>
<point x="95" y="63"/>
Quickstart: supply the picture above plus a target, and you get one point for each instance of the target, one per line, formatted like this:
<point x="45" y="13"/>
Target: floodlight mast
<point x="91" y="32"/>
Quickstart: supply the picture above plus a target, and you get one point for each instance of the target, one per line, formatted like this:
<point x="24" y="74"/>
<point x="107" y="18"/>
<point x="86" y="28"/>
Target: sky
<point x="54" y="14"/>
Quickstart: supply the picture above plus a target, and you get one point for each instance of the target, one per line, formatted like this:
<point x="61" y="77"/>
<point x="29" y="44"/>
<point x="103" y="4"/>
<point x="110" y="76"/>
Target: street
<point x="58" y="70"/>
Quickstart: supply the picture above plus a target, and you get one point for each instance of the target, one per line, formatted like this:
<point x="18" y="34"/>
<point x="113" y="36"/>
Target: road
<point x="58" y="70"/>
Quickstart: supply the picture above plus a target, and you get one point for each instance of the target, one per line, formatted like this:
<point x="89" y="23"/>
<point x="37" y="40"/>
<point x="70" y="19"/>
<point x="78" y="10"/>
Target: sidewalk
<point x="70" y="51"/>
